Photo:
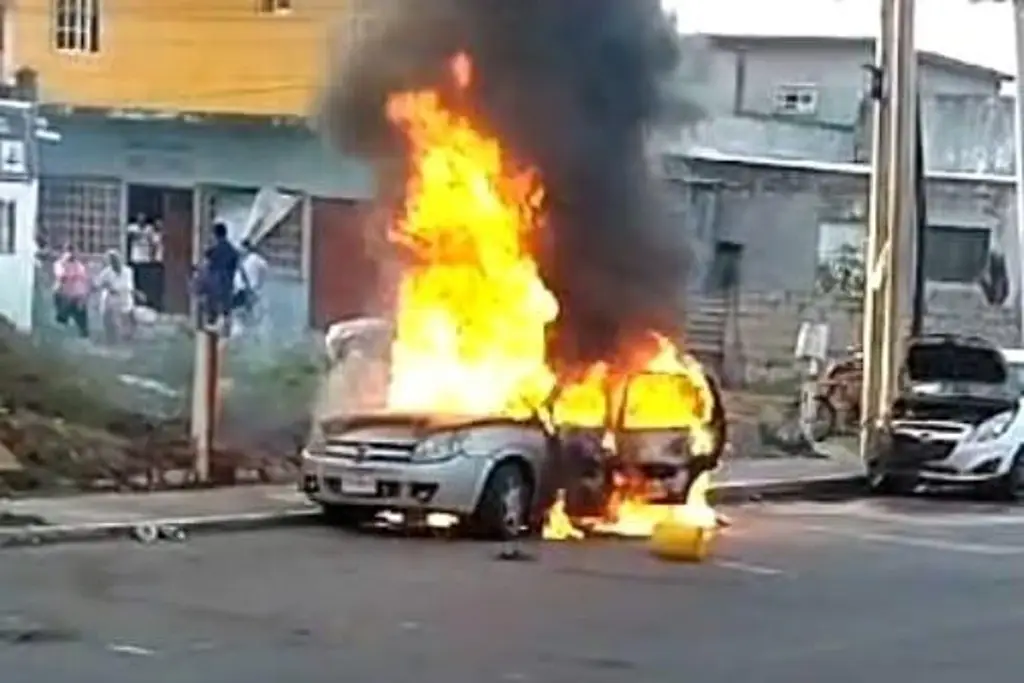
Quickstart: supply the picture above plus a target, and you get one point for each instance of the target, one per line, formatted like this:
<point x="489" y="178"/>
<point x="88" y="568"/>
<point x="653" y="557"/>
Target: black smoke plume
<point x="570" y="86"/>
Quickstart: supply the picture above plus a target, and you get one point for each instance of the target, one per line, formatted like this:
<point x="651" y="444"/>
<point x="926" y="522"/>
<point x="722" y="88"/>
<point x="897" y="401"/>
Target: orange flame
<point x="472" y="310"/>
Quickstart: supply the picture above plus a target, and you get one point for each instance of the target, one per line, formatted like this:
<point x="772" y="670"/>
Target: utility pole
<point x="205" y="384"/>
<point x="900" y="202"/>
<point x="891" y="208"/>
<point x="878" y="232"/>
<point x="206" y="373"/>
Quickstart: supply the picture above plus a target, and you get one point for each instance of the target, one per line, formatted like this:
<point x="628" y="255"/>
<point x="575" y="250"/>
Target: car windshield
<point x="972" y="389"/>
<point x="1017" y="376"/>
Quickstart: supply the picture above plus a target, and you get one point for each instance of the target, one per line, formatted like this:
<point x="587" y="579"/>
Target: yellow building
<point x="263" y="57"/>
<point x="193" y="111"/>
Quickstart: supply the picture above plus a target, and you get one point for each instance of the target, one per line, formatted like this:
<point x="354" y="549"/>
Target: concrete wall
<point x="17" y="270"/>
<point x="776" y="214"/>
<point x="768" y="324"/>
<point x="182" y="154"/>
<point x="970" y="133"/>
<point x="731" y="134"/>
<point x="734" y="84"/>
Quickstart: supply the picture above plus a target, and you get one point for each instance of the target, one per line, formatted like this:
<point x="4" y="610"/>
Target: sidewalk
<point x="254" y="503"/>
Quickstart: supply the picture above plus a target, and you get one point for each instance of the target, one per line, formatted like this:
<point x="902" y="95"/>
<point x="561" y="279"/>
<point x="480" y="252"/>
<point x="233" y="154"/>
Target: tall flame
<point x="472" y="313"/>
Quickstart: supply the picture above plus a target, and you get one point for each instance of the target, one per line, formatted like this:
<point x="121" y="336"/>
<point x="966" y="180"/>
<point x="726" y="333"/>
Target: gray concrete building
<point x="783" y="118"/>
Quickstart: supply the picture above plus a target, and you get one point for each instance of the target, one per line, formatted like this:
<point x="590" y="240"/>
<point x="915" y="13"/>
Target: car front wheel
<point x="503" y="511"/>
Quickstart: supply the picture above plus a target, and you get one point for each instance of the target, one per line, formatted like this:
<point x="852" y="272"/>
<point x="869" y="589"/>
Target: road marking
<point x="134" y="650"/>
<point x="919" y="542"/>
<point x="747" y="568"/>
<point x="922" y="518"/>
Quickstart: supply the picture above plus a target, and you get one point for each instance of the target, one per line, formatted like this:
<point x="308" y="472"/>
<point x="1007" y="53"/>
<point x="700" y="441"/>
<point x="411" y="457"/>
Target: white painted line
<point x="748" y="568"/>
<point x="932" y="517"/>
<point x="919" y="542"/>
<point x="134" y="650"/>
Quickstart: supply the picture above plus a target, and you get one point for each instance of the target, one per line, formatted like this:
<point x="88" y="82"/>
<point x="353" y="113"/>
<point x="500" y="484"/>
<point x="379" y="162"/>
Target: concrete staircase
<point x="706" y="323"/>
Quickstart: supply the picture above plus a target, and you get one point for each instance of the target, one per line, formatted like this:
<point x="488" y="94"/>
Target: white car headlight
<point x="439" y="447"/>
<point x="993" y="428"/>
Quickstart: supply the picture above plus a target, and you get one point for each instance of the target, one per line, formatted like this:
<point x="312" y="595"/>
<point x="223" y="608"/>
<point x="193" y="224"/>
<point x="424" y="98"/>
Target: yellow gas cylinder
<point x="681" y="540"/>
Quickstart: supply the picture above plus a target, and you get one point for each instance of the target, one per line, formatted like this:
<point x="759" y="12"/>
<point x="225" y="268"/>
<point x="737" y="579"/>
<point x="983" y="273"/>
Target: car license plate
<point x="358" y="485"/>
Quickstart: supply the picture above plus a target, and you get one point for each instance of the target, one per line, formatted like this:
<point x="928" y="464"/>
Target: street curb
<point x="169" y="528"/>
<point x="153" y="530"/>
<point x="783" y="488"/>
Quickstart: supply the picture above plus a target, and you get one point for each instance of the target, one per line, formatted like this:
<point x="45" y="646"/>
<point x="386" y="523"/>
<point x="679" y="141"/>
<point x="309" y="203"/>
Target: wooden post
<point x="205" y="389"/>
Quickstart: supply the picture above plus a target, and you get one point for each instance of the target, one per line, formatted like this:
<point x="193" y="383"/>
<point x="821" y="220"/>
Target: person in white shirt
<point x="249" y="281"/>
<point x="117" y="298"/>
<point x="139" y="240"/>
<point x="155" y="233"/>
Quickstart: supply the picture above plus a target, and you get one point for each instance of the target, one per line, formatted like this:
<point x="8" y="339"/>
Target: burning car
<point x="956" y="422"/>
<point x="518" y="372"/>
<point x="501" y="475"/>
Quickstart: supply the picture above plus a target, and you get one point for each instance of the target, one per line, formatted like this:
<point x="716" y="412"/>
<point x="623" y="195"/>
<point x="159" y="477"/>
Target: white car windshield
<point x="1017" y="376"/>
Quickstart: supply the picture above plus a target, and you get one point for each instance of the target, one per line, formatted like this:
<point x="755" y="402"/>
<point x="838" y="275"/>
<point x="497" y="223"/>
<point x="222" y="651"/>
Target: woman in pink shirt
<point x="71" y="291"/>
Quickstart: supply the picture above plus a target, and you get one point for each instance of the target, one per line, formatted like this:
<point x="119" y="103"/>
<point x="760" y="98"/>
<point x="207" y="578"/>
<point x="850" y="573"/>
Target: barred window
<point x="76" y="26"/>
<point x="83" y="213"/>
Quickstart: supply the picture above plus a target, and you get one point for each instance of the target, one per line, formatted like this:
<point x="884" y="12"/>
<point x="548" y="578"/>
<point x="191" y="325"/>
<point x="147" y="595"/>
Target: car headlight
<point x="992" y="428"/>
<point x="439" y="447"/>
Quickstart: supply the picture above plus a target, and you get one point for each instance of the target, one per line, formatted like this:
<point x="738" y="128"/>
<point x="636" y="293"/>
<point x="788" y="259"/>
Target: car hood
<point x="417" y="425"/>
<point x="951" y="360"/>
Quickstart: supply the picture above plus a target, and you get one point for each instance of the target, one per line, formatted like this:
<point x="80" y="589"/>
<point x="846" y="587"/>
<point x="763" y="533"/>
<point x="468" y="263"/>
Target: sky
<point x="980" y="32"/>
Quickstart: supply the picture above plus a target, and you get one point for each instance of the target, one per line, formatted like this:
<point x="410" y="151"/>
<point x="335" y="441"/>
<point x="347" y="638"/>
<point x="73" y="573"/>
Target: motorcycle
<point x="835" y="404"/>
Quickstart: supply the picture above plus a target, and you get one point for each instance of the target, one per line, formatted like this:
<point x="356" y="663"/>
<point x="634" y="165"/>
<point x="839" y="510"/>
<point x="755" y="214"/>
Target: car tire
<point x="881" y="484"/>
<point x="503" y="510"/>
<point x="347" y="516"/>
<point x="1011" y="487"/>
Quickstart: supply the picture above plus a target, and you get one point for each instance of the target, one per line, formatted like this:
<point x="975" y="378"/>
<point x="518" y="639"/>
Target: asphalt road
<point x="840" y="592"/>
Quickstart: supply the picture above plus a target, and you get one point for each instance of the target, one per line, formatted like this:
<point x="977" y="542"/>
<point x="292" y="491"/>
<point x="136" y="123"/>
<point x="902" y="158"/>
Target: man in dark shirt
<point x="219" y="277"/>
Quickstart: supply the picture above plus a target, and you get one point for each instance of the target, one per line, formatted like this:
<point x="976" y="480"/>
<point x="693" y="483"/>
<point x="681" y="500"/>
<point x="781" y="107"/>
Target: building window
<point x="85" y="214"/>
<point x="8" y="227"/>
<point x="76" y="26"/>
<point x="796" y="100"/>
<point x="275" y="6"/>
<point x="956" y="254"/>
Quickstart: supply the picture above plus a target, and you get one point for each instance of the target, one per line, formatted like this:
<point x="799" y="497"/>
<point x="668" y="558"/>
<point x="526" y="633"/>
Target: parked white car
<point x="957" y="420"/>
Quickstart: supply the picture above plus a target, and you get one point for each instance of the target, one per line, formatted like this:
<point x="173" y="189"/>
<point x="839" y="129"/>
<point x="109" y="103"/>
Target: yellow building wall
<point x="211" y="56"/>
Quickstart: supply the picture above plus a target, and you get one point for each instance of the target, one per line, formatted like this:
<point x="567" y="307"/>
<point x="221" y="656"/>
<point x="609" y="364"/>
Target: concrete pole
<point x="900" y="203"/>
<point x="877" y="230"/>
<point x="1018" y="27"/>
<point x="206" y="390"/>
